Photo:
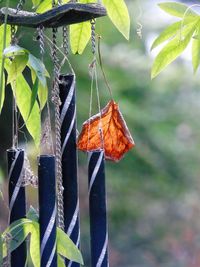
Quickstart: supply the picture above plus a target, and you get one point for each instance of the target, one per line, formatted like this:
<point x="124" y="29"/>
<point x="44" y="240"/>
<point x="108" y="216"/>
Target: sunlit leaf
<point x="61" y="261"/>
<point x="47" y="5"/>
<point x="18" y="231"/>
<point x="177" y="9"/>
<point x="1" y="250"/>
<point x="2" y="91"/>
<point x="14" y="50"/>
<point x="196" y="50"/>
<point x="172" y="50"/>
<point x="79" y="36"/>
<point x="23" y="98"/>
<point x="170" y="32"/>
<point x="36" y="2"/>
<point x="66" y="247"/>
<point x="119" y="15"/>
<point x="17" y="66"/>
<point x="116" y="138"/>
<point x="2" y="75"/>
<point x="35" y="245"/>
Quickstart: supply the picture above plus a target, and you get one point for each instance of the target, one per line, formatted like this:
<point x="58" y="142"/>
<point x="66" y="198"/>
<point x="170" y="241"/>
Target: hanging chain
<point x="93" y="37"/>
<point x="13" y="35"/>
<point x="56" y="101"/>
<point x="20" y="5"/>
<point x="66" y="40"/>
<point x="40" y="38"/>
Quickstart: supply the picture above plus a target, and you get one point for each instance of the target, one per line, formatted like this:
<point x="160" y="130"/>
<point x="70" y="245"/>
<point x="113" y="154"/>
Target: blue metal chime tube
<point x="69" y="159"/>
<point x="17" y="199"/>
<point x="47" y="210"/>
<point x="97" y="207"/>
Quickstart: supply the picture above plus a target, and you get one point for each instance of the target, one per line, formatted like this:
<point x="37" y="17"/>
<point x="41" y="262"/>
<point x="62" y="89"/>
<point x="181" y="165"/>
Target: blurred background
<point x="154" y="191"/>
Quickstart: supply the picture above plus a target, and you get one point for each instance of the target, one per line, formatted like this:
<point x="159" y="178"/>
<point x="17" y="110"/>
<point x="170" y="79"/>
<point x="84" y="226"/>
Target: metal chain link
<point x="93" y="36"/>
<point x="20" y="5"/>
<point x="13" y="40"/>
<point x="40" y="38"/>
<point x="66" y="40"/>
<point x="56" y="101"/>
<point x="53" y="3"/>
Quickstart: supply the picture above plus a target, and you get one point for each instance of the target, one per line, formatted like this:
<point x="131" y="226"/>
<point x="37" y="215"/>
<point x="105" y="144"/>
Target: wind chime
<point x="103" y="136"/>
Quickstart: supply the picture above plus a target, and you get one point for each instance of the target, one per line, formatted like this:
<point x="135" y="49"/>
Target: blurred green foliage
<point x="153" y="193"/>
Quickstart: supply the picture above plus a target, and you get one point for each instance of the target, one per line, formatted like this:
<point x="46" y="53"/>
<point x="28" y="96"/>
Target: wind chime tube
<point x="17" y="199"/>
<point x="98" y="210"/>
<point x="69" y="159"/>
<point x="47" y="210"/>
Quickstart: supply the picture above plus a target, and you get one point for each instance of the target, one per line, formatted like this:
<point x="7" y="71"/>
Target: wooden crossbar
<point x="66" y="14"/>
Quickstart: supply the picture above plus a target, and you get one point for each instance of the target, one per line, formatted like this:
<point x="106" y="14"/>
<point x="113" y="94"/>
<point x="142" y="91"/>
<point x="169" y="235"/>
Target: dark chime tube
<point x="17" y="199"/>
<point x="47" y="210"/>
<point x="97" y="207"/>
<point x="69" y="159"/>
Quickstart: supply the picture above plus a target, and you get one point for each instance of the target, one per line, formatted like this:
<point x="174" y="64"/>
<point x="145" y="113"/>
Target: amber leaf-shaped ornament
<point x="107" y="130"/>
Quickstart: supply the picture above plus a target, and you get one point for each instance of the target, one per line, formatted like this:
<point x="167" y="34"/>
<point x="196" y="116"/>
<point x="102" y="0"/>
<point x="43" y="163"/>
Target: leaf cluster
<point x="28" y="227"/>
<point x="30" y="99"/>
<point x="177" y="36"/>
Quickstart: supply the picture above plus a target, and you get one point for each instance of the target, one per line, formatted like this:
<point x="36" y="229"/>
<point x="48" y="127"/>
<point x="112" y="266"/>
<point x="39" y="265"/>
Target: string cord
<point x="94" y="77"/>
<point x="42" y="52"/>
<point x="15" y="125"/>
<point x="102" y="68"/>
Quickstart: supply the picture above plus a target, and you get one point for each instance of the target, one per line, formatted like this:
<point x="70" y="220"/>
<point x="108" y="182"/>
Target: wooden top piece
<point x="59" y="16"/>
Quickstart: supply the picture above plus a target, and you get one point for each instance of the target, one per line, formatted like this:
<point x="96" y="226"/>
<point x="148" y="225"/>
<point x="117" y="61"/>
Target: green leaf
<point x="14" y="50"/>
<point x="38" y="66"/>
<point x="34" y="95"/>
<point x="16" y="68"/>
<point x="32" y="214"/>
<point x="44" y="6"/>
<point x="170" y="32"/>
<point x="8" y="36"/>
<point x="119" y="15"/>
<point x="66" y="247"/>
<point x="35" y="245"/>
<point x="42" y="91"/>
<point x="18" y="231"/>
<point x="177" y="9"/>
<point x="47" y="5"/>
<point x="23" y="98"/>
<point x="1" y="250"/>
<point x="36" y="3"/>
<point x="172" y="50"/>
<point x="3" y="43"/>
<point x="79" y="36"/>
<point x="61" y="262"/>
<point x="2" y="91"/>
<point x="196" y="50"/>
<point x="42" y="95"/>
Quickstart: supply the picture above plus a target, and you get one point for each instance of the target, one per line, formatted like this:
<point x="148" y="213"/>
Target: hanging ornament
<point x="115" y="137"/>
